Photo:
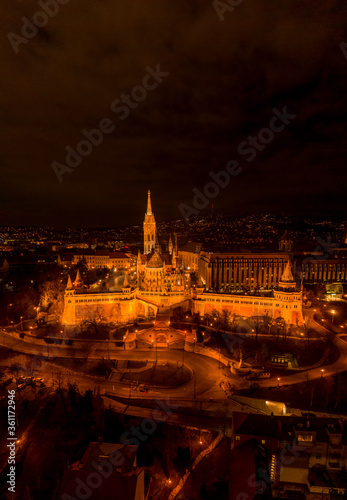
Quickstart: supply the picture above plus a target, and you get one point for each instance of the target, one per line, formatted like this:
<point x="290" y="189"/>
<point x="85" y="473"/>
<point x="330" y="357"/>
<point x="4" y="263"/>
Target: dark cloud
<point x="225" y="78"/>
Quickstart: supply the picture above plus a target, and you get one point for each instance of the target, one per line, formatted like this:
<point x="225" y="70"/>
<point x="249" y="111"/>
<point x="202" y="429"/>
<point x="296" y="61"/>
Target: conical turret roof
<point x="69" y="285"/>
<point x="126" y="281"/>
<point x="78" y="277"/>
<point x="287" y="276"/>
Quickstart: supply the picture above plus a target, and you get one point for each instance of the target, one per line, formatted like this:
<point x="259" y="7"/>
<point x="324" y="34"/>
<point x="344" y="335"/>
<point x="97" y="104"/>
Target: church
<point x="161" y="281"/>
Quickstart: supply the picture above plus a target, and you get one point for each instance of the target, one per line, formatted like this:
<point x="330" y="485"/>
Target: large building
<point x="231" y="271"/>
<point x="163" y="279"/>
<point x="304" y="458"/>
<point x="96" y="259"/>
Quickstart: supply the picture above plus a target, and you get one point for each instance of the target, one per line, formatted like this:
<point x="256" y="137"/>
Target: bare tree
<point x="52" y="294"/>
<point x="94" y="320"/>
<point x="280" y="325"/>
<point x="88" y="349"/>
<point x="257" y="324"/>
<point x="225" y="320"/>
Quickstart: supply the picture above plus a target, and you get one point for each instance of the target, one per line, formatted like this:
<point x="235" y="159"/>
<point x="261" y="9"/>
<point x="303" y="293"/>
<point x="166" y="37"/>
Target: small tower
<point x="149" y="228"/>
<point x="157" y="246"/>
<point x="69" y="285"/>
<point x="126" y="288"/>
<point x="69" y="304"/>
<point x="78" y="281"/>
<point x="170" y="246"/>
<point x="288" y="299"/>
<point x="287" y="281"/>
<point x="286" y="243"/>
<point x="173" y="260"/>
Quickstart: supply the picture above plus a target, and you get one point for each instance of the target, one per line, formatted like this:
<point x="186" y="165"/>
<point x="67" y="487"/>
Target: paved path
<point x="207" y="375"/>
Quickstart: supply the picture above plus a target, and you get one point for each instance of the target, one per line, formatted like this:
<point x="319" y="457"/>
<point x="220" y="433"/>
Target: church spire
<point x="149" y="228"/>
<point x="149" y="206"/>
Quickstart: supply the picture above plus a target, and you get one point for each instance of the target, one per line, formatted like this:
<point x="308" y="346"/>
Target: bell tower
<point x="149" y="228"/>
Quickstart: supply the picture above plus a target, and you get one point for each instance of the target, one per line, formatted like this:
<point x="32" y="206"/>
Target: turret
<point x="288" y="300"/>
<point x="69" y="285"/>
<point x="78" y="281"/>
<point x="287" y="281"/>
<point x="126" y="288"/>
<point x="69" y="303"/>
<point x="170" y="245"/>
<point x="286" y="243"/>
<point x="157" y="246"/>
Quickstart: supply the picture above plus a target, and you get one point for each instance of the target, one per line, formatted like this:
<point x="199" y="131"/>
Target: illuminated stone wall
<point x="286" y="305"/>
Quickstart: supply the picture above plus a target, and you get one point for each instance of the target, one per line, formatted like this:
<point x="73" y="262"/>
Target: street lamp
<point x="21" y="323"/>
<point x="333" y="315"/>
<point x="278" y="381"/>
<point x="322" y="371"/>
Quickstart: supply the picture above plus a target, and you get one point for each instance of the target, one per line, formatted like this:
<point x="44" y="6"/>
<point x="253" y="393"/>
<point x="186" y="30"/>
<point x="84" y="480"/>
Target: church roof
<point x="155" y="261"/>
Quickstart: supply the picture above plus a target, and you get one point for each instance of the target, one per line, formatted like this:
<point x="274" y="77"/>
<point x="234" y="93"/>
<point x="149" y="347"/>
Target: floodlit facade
<point x="163" y="280"/>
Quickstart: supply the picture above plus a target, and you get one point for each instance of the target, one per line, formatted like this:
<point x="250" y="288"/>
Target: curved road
<point x="207" y="373"/>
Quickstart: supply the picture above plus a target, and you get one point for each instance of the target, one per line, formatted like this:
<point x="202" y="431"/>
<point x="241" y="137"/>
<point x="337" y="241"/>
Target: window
<point x="305" y="438"/>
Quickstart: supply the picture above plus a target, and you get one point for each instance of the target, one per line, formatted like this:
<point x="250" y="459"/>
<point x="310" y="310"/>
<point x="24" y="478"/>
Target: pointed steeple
<point x="287" y="281"/>
<point x="149" y="206"/>
<point x="78" y="281"/>
<point x="69" y="285"/>
<point x="149" y="227"/>
<point x="287" y="275"/>
<point x="157" y="246"/>
<point x="170" y="245"/>
<point x="126" y="281"/>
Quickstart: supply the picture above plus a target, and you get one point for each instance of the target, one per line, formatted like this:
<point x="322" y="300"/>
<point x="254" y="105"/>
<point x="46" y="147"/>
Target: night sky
<point x="225" y="78"/>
